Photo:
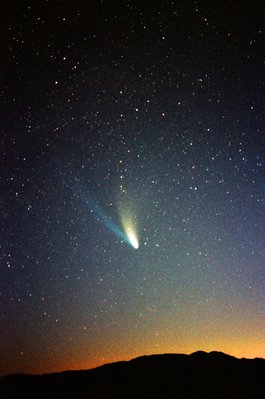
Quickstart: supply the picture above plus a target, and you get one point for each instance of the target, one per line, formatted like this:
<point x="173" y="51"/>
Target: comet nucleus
<point x="129" y="227"/>
<point x="132" y="238"/>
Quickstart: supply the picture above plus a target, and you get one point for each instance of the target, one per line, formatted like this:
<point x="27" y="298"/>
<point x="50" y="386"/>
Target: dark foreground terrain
<point x="200" y="375"/>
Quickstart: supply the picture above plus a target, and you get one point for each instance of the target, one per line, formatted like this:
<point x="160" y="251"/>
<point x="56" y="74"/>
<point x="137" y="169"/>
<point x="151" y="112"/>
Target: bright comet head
<point x="129" y="227"/>
<point x="133" y="239"/>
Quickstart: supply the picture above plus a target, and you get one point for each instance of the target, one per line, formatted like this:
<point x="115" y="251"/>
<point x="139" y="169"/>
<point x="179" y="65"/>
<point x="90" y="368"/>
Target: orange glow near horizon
<point x="240" y="349"/>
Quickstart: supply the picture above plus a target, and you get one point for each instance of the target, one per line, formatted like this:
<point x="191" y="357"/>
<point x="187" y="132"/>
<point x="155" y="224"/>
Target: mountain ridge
<point x="198" y="375"/>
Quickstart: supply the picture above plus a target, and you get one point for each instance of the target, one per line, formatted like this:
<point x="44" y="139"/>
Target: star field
<point x="155" y="112"/>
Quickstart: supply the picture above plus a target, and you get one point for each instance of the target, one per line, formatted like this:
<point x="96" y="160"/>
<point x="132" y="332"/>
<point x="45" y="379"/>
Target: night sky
<point x="127" y="124"/>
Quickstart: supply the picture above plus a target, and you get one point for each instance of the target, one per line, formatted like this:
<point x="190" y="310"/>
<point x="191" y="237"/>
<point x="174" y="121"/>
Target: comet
<point x="129" y="227"/>
<point x="132" y="238"/>
<point x="127" y="235"/>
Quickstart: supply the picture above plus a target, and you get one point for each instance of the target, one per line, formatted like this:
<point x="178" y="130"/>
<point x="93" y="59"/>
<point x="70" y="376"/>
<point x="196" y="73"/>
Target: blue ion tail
<point x="107" y="222"/>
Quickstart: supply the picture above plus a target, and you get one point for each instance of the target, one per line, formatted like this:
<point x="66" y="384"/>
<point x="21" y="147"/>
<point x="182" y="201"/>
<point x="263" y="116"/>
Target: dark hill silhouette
<point x="200" y="375"/>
